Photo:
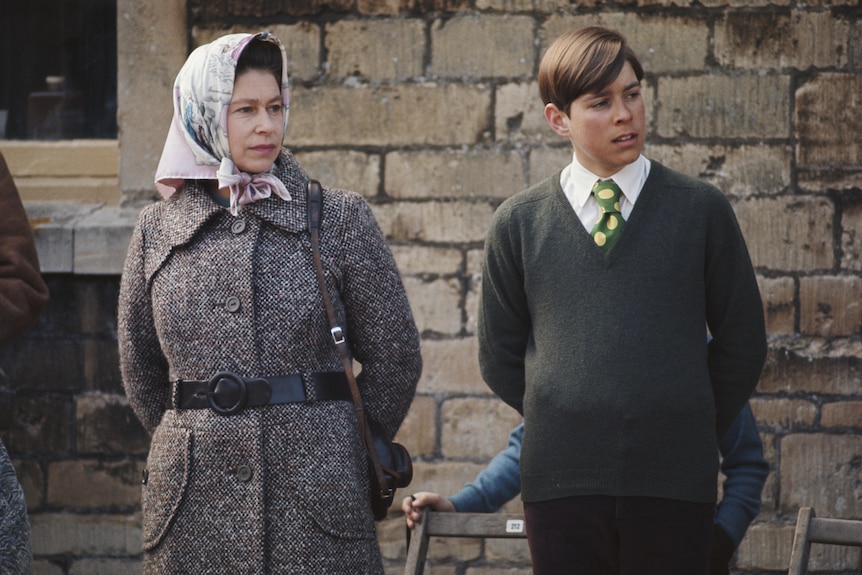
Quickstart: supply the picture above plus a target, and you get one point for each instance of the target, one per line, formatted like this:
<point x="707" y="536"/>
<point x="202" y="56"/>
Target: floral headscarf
<point x="197" y="145"/>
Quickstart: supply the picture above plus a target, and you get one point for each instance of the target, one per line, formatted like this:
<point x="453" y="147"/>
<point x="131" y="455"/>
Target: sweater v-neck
<point x="583" y="236"/>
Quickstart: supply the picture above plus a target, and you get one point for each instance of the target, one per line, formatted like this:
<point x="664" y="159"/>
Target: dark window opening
<point x="58" y="69"/>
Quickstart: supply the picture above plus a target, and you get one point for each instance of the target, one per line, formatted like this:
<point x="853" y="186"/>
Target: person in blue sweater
<point x="742" y="463"/>
<point x="596" y="286"/>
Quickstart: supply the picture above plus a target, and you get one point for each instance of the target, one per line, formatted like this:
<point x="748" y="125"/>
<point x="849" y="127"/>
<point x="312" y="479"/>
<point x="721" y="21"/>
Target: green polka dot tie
<point x="610" y="224"/>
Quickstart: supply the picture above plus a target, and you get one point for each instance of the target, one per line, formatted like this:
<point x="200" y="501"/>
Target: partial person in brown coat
<point x="23" y="295"/>
<point x="255" y="464"/>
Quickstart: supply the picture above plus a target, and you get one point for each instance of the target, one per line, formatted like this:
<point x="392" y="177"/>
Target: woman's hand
<point x="411" y="506"/>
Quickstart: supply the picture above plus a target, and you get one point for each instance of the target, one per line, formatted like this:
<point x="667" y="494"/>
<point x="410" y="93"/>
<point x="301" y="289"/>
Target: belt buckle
<point x="231" y="379"/>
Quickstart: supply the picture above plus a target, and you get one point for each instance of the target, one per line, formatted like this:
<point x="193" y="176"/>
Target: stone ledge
<point x="81" y="238"/>
<point x="70" y="190"/>
<point x="61" y="159"/>
<point x="68" y="171"/>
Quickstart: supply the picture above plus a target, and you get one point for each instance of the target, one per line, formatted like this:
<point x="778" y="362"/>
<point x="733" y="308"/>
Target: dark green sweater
<point x="605" y="355"/>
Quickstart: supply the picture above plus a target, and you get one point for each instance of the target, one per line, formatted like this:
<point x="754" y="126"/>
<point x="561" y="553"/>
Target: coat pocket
<point x="165" y="481"/>
<point x="340" y="505"/>
<point x="321" y="465"/>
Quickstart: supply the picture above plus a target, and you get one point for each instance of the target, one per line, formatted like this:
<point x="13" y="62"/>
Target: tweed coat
<point x="16" y="557"/>
<point x="274" y="489"/>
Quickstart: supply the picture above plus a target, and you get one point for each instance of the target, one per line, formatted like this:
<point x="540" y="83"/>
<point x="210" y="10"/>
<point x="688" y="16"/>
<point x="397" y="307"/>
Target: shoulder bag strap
<point x="315" y="212"/>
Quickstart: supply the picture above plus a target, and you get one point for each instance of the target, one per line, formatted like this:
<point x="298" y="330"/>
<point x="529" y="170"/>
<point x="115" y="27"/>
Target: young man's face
<point x="606" y="128"/>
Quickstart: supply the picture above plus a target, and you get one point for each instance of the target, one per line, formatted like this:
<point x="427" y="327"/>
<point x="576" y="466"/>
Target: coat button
<point x="238" y="226"/>
<point x="232" y="304"/>
<point x="243" y="473"/>
<point x="145" y="476"/>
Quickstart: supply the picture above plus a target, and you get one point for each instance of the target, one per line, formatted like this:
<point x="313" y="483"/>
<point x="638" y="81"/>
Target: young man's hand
<point x="411" y="506"/>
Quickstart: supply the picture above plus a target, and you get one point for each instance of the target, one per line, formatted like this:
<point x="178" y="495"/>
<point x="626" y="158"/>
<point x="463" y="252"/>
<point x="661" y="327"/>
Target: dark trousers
<point x="603" y="535"/>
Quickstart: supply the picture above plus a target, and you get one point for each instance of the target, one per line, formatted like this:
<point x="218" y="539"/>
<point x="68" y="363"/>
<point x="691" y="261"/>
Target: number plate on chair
<point x="515" y="526"/>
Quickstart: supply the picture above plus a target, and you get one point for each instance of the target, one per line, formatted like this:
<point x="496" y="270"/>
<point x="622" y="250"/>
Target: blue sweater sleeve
<point x="498" y="483"/>
<point x="745" y="470"/>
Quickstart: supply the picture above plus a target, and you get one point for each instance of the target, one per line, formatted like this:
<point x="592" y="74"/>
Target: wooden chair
<point x="811" y="529"/>
<point x="435" y="524"/>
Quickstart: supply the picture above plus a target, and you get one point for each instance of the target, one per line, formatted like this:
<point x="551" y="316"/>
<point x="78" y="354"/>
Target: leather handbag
<point x="389" y="463"/>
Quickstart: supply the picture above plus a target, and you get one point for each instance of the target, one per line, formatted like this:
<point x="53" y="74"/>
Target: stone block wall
<point x="430" y="109"/>
<point x="77" y="446"/>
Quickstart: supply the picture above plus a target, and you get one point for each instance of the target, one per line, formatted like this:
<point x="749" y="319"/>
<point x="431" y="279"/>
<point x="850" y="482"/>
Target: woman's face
<point x="255" y="121"/>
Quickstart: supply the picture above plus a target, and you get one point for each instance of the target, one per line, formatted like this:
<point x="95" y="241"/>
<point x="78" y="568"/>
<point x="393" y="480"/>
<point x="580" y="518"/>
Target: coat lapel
<point x="187" y="212"/>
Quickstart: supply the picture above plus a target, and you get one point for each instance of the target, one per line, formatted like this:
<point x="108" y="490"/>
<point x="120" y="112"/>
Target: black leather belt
<point x="227" y="393"/>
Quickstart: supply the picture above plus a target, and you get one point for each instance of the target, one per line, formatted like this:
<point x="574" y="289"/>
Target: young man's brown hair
<point x="581" y="62"/>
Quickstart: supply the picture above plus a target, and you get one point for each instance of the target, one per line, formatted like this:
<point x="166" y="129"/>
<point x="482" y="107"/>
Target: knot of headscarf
<point x="247" y="188"/>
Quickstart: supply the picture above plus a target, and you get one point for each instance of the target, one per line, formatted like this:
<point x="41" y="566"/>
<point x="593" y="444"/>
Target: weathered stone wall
<point x="430" y="109"/>
<point x="77" y="447"/>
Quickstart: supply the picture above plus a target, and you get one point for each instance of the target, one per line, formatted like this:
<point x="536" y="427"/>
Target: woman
<point x="255" y="463"/>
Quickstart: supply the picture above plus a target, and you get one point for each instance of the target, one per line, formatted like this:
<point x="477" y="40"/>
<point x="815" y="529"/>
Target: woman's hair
<point x="581" y="62"/>
<point x="263" y="55"/>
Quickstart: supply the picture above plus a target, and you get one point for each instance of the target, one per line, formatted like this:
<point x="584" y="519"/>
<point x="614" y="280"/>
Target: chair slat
<point x="491" y="525"/>
<point x="435" y="524"/>
<point x="835" y="531"/>
<point x="812" y="529"/>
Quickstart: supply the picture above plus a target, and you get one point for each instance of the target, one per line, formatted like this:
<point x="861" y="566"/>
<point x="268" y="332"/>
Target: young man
<point x="596" y="287"/>
<point x="742" y="463"/>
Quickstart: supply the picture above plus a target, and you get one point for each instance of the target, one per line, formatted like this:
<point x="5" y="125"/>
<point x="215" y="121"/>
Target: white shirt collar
<point x="577" y="181"/>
